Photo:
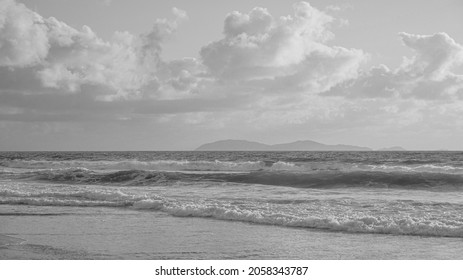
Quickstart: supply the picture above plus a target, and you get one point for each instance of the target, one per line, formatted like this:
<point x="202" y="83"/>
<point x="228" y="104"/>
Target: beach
<point x="128" y="234"/>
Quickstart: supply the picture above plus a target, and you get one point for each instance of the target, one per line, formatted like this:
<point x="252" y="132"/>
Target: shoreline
<point x="111" y="234"/>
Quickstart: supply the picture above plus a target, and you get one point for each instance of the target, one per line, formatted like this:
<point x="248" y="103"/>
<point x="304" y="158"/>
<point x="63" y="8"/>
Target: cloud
<point x="426" y="75"/>
<point x="23" y="36"/>
<point x="268" y="54"/>
<point x="288" y="52"/>
<point x="435" y="55"/>
<point x="66" y="58"/>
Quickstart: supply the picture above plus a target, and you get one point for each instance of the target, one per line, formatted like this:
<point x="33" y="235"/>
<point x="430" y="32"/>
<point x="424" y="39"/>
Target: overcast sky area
<point x="172" y="75"/>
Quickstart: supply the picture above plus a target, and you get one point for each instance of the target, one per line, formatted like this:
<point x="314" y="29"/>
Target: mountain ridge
<point x="301" y="145"/>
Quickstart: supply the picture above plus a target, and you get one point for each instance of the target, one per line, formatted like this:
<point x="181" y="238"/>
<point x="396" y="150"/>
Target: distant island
<point x="306" y="145"/>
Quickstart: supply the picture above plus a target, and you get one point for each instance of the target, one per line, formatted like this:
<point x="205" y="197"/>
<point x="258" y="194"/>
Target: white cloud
<point x="435" y="55"/>
<point x="67" y="58"/>
<point x="23" y="35"/>
<point x="268" y="54"/>
<point x="290" y="52"/>
<point x="426" y="75"/>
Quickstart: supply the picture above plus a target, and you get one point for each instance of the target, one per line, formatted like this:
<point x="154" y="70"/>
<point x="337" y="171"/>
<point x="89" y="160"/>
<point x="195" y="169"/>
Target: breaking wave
<point x="159" y="165"/>
<point x="406" y="219"/>
<point x="322" y="179"/>
<point x="228" y="166"/>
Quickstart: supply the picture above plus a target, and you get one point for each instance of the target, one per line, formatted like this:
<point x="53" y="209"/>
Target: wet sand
<point x="6" y="240"/>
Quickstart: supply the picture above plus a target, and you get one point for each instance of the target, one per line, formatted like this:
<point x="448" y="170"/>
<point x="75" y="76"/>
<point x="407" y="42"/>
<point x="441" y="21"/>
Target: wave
<point x="365" y="179"/>
<point x="86" y="176"/>
<point x="159" y="165"/>
<point x="417" y="168"/>
<point x="355" y="223"/>
<point x="406" y="219"/>
<point x="228" y="166"/>
<point x="322" y="179"/>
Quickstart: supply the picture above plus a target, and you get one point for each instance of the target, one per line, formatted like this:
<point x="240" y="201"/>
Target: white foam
<point x="401" y="225"/>
<point x="152" y="204"/>
<point x="281" y="165"/>
<point x="430" y="168"/>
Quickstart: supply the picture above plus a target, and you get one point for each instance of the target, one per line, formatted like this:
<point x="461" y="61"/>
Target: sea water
<point x="232" y="205"/>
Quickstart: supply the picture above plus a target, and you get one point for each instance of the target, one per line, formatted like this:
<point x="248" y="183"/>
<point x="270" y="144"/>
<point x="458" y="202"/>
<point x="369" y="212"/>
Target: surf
<point x="344" y="215"/>
<point x="431" y="181"/>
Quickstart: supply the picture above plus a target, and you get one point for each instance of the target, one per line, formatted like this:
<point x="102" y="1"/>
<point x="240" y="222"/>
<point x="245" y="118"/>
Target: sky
<point x="172" y="75"/>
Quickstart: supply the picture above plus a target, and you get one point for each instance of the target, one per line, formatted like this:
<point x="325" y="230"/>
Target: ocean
<point x="231" y="205"/>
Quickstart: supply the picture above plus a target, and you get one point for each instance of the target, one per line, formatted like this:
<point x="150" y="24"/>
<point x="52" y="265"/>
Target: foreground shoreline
<point x="102" y="233"/>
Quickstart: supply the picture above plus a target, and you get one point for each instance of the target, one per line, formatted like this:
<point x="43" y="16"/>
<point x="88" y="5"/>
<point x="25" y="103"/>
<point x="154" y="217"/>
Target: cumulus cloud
<point x="426" y="75"/>
<point x="268" y="54"/>
<point x="435" y="55"/>
<point x="289" y="51"/>
<point x="23" y="35"/>
<point x="67" y="58"/>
